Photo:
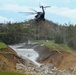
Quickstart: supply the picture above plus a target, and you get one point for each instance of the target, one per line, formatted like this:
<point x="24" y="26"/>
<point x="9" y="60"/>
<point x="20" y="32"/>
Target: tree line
<point x="11" y="33"/>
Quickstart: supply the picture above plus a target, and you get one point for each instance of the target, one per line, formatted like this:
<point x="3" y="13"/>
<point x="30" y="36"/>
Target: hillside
<point x="48" y="55"/>
<point x="44" y="30"/>
<point x="8" y="58"/>
<point x="63" y="60"/>
<point x="56" y="55"/>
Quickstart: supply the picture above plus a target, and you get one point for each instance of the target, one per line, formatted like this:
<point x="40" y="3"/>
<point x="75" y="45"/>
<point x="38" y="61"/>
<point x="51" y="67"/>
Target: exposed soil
<point x="62" y="60"/>
<point x="8" y="60"/>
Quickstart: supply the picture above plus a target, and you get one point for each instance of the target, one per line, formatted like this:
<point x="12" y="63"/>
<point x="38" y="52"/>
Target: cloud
<point x="63" y="11"/>
<point x="18" y="8"/>
<point x="5" y="19"/>
<point x="14" y="7"/>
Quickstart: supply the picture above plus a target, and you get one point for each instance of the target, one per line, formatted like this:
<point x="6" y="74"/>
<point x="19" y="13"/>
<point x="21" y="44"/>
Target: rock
<point x="20" y="67"/>
<point x="2" y="64"/>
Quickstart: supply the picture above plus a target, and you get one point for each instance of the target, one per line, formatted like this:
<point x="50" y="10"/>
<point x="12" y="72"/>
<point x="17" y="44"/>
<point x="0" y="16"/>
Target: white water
<point x="28" y="53"/>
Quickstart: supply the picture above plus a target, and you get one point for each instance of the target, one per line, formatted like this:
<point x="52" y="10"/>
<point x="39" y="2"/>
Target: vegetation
<point x="9" y="73"/>
<point x="3" y="52"/>
<point x="30" y="30"/>
<point x="2" y="45"/>
<point x="53" y="46"/>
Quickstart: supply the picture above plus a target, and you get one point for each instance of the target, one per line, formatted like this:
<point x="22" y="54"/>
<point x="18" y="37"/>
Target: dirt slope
<point x="61" y="60"/>
<point x="8" y="59"/>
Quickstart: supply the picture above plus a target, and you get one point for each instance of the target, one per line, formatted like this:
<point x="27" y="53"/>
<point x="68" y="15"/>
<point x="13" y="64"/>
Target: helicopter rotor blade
<point x="28" y="13"/>
<point x="34" y="10"/>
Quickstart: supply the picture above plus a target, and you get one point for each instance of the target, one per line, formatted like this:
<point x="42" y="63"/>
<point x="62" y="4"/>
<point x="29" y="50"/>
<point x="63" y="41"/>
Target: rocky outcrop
<point x="43" y="70"/>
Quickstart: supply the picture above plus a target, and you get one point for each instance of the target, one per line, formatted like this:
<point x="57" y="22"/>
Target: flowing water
<point x="28" y="53"/>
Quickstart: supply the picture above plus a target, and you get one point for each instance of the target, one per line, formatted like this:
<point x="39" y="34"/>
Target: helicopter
<point x="40" y="16"/>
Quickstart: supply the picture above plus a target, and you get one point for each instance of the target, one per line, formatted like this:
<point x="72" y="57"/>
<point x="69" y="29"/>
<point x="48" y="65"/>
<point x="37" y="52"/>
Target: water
<point x="28" y="53"/>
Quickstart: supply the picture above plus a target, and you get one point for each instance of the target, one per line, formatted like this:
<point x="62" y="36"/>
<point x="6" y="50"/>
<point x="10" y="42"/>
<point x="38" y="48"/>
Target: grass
<point x="2" y="45"/>
<point x="9" y="73"/>
<point x="54" y="46"/>
<point x="6" y="53"/>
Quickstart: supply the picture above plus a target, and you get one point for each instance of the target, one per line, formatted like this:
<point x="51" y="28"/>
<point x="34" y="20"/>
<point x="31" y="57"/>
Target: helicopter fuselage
<point x="40" y="15"/>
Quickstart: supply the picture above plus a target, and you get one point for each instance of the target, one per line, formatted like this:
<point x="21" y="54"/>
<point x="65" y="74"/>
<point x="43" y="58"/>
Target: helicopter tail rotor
<point x="45" y="6"/>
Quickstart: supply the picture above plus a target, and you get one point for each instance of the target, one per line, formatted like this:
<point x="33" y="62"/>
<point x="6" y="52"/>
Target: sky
<point x="61" y="11"/>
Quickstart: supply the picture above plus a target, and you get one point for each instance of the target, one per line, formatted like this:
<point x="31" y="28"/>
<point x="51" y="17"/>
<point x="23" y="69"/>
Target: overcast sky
<point x="61" y="11"/>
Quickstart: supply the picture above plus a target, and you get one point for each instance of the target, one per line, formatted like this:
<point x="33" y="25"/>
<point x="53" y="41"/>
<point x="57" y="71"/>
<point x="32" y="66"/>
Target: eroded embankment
<point x="54" y="62"/>
<point x="62" y="60"/>
<point x="9" y="59"/>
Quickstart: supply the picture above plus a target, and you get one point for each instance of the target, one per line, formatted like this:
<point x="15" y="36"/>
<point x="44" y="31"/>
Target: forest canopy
<point x="12" y="33"/>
